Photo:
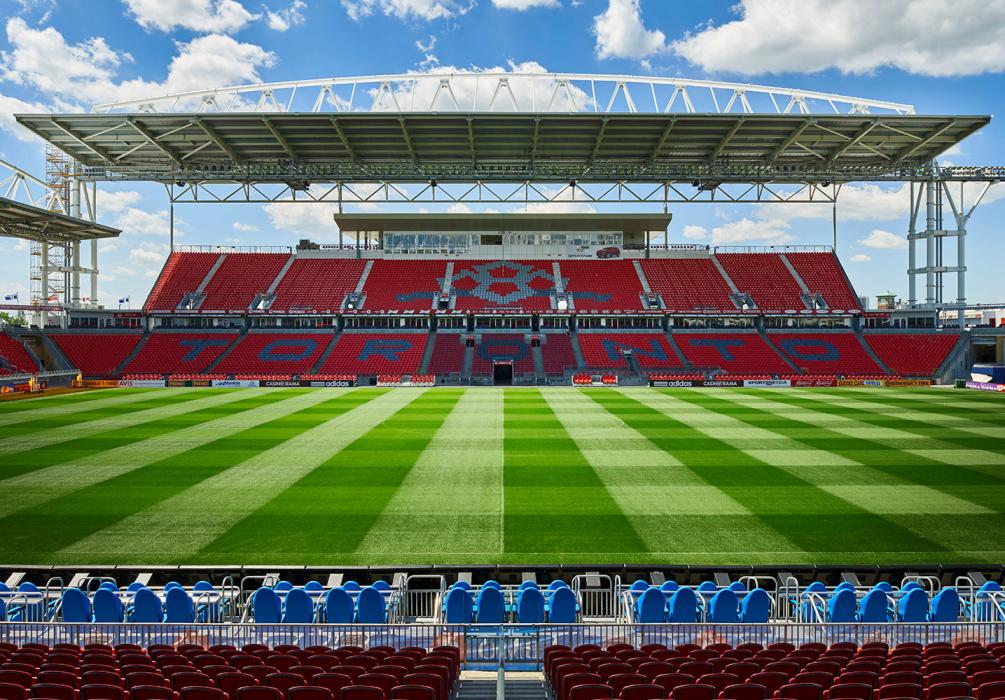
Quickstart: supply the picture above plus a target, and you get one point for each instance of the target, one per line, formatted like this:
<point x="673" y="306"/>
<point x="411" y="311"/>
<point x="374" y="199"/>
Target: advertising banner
<point x="814" y="382"/>
<point x="985" y="386"/>
<point x="101" y="383"/>
<point x="279" y="383"/>
<point x="331" y="384"/>
<point x="908" y="382"/>
<point x="861" y="382"/>
<point x="142" y="383"/>
<point x="235" y="383"/>
<point x="671" y="383"/>
<point x="766" y="383"/>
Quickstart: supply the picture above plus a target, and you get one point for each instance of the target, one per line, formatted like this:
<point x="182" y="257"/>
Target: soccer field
<point x="516" y="476"/>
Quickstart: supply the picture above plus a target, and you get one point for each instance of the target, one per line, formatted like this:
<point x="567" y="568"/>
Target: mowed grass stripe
<point x="249" y="470"/>
<point x="554" y="501"/>
<point x="454" y="490"/>
<point x="63" y="428"/>
<point x="12" y="410"/>
<point x="179" y="412"/>
<point x="927" y="438"/>
<point x="195" y="432"/>
<point x="880" y="484"/>
<point x="653" y="488"/>
<point x="110" y="404"/>
<point x="47" y="527"/>
<point x="325" y="514"/>
<point x="948" y="403"/>
<point x="815" y="520"/>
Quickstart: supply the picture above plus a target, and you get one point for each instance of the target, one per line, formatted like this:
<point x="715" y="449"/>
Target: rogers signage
<point x="986" y="386"/>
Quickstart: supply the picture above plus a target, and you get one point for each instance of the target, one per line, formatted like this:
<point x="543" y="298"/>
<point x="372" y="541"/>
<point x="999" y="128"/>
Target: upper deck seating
<point x="824" y="275"/>
<point x="169" y="353"/>
<point x="15" y="358"/>
<point x="688" y="284"/>
<point x="501" y="347"/>
<point x="733" y="352"/>
<point x="503" y="284"/>
<point x="241" y="276"/>
<point x="606" y="350"/>
<point x="448" y="354"/>
<point x="96" y="354"/>
<point x="275" y="353"/>
<point x="912" y="354"/>
<point x="601" y="285"/>
<point x="401" y="285"/>
<point x="765" y="278"/>
<point x="317" y="284"/>
<point x="826" y="353"/>
<point x="372" y="353"/>
<point x="556" y="353"/>
<point x="183" y="273"/>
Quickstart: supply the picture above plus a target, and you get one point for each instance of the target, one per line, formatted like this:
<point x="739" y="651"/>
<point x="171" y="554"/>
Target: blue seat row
<point x="142" y="604"/>
<point x="532" y="606"/>
<point x="882" y="603"/>
<point x="365" y="605"/>
<point x="674" y="603"/>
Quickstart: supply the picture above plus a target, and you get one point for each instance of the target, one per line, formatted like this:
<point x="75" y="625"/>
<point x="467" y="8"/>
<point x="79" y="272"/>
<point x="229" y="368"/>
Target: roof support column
<point x="930" y="228"/>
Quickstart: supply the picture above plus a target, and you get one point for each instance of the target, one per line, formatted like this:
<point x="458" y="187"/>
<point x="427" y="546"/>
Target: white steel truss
<point x="503" y="91"/>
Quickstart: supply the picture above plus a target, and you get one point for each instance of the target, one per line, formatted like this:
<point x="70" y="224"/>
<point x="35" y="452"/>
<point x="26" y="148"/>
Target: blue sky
<point x="66" y="55"/>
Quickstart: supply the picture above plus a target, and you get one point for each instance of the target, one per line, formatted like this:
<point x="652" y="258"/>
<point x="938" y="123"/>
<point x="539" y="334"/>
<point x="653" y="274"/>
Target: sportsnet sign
<point x="766" y="383"/>
<point x="985" y="386"/>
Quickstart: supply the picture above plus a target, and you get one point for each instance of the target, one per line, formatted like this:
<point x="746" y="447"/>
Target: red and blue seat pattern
<point x="171" y="353"/>
<point x="491" y="348"/>
<point x="607" y="350"/>
<point x="733" y="352"/>
<point x="826" y="353"/>
<point x="365" y="353"/>
<point x="275" y="353"/>
<point x="503" y="284"/>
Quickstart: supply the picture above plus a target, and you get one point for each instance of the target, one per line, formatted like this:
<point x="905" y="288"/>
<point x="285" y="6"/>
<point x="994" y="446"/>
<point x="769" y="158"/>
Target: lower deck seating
<point x="170" y="353"/>
<point x="782" y="670"/>
<point x="225" y="672"/>
<point x="600" y="285"/>
<point x="826" y="353"/>
<point x="502" y="347"/>
<point x="448" y="354"/>
<point x="96" y="355"/>
<point x="732" y="352"/>
<point x="275" y="353"/>
<point x="557" y="353"/>
<point x="912" y="354"/>
<point x="14" y="358"/>
<point x="607" y="350"/>
<point x="372" y="353"/>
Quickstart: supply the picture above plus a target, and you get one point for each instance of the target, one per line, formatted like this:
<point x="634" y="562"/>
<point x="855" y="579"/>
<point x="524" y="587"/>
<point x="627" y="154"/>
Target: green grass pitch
<point x="503" y="476"/>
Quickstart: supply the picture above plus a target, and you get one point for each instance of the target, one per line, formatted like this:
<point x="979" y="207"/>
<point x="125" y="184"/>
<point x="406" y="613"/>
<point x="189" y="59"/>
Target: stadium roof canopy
<point x="18" y="220"/>
<point x="357" y="147"/>
<point x="628" y="223"/>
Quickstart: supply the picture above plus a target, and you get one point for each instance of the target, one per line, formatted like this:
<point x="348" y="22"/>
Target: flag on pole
<point x="10" y="297"/>
<point x="124" y="300"/>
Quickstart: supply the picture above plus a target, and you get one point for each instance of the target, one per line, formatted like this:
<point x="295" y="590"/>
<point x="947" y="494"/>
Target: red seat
<point x="283" y="681"/>
<point x="152" y="692"/>
<point x="772" y="680"/>
<point x="331" y="681"/>
<point x="283" y="662"/>
<point x="983" y="677"/>
<point x="191" y="679"/>
<point x="991" y="691"/>
<point x="742" y="669"/>
<point x="413" y="692"/>
<point x="14" y="677"/>
<point x="571" y="680"/>
<point x="147" y="678"/>
<point x="902" y="690"/>
<point x="824" y="680"/>
<point x="718" y="680"/>
<point x="800" y="691"/>
<point x="745" y="691"/>
<point x="867" y="677"/>
<point x="101" y="678"/>
<point x="98" y="691"/>
<point x="12" y="691"/>
<point x="52" y="691"/>
<point x="912" y="677"/>
<point x="428" y="680"/>
<point x="694" y="691"/>
<point x="350" y="670"/>
<point x="202" y="693"/>
<point x="378" y="680"/>
<point x="642" y="691"/>
<point x="309" y="692"/>
<point x="592" y="692"/>
<point x="259" y="692"/>
<point x="361" y="692"/>
<point x="850" y="691"/>
<point x="948" y="690"/>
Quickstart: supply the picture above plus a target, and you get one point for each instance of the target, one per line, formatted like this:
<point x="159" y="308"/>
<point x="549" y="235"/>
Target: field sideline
<point x="515" y="476"/>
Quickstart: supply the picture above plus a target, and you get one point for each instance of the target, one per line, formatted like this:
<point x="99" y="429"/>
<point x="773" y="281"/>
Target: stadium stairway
<point x="323" y="357"/>
<point x="872" y="353"/>
<point x="469" y="362"/>
<point x="223" y="355"/>
<point x="790" y="363"/>
<point x="137" y="349"/>
<point x="795" y="275"/>
<point x="722" y="271"/>
<point x="642" y="277"/>
<point x="685" y="363"/>
<point x="279" y="276"/>
<point x="538" y="357"/>
<point x="427" y="356"/>
<point x="209" y="275"/>
<point x="577" y="350"/>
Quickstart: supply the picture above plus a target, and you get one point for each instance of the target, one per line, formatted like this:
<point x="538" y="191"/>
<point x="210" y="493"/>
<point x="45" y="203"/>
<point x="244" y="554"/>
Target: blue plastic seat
<point x="464" y="585"/>
<point x="811" y="597"/>
<point x="370" y="607"/>
<point x="650" y="607"/>
<point x="283" y="586"/>
<point x="723" y="607"/>
<point x="266" y="606"/>
<point x="984" y="608"/>
<point x="842" y="606"/>
<point x="707" y="588"/>
<point x="339" y="608"/>
<point x="107" y="606"/>
<point x="31" y="608"/>
<point x="945" y="606"/>
<point x="491" y="606"/>
<point x="146" y="607"/>
<point x="491" y="583"/>
<point x="3" y="610"/>
<point x="562" y="606"/>
<point x="913" y="607"/>
<point x="76" y="606"/>
<point x="884" y="586"/>
<point x="178" y="606"/>
<point x="669" y="586"/>
<point x="737" y="587"/>
<point x="168" y="586"/>
<point x="351" y="586"/>
<point x="638" y="587"/>
<point x="298" y="608"/>
<point x="524" y="585"/>
<point x="683" y="606"/>
<point x="382" y="585"/>
<point x="111" y="586"/>
<point x="874" y="606"/>
<point x="844" y="585"/>
<point x="557" y="583"/>
<point x="530" y="606"/>
<point x="755" y="606"/>
<point x="458" y="608"/>
<point x="910" y="586"/>
<point x="314" y="587"/>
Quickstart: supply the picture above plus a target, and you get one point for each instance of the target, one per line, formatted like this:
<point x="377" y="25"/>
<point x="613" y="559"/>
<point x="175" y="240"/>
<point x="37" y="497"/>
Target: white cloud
<point x="315" y="221"/>
<point x="860" y="258"/>
<point x="244" y="228"/>
<point x="141" y="221"/>
<point x="521" y="5"/>
<point x="927" y="37"/>
<point x="620" y="32"/>
<point x="694" y="232"/>
<point x="205" y="16"/>
<point x="407" y="9"/>
<point x="9" y="106"/>
<point x="76" y="75"/>
<point x="291" y="16"/>
<point x="458" y="208"/>
<point x="116" y="202"/>
<point x="884" y="240"/>
<point x="766" y="231"/>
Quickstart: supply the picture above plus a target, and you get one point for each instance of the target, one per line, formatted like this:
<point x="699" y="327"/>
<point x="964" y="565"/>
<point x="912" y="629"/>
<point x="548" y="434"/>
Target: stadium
<point x="522" y="452"/>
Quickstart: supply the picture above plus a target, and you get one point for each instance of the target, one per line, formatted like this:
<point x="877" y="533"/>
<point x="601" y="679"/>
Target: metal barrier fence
<point x="515" y="647"/>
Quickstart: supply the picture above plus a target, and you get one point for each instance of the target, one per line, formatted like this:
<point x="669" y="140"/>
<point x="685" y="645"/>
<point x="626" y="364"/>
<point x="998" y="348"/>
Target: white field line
<point x="113" y="399"/>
